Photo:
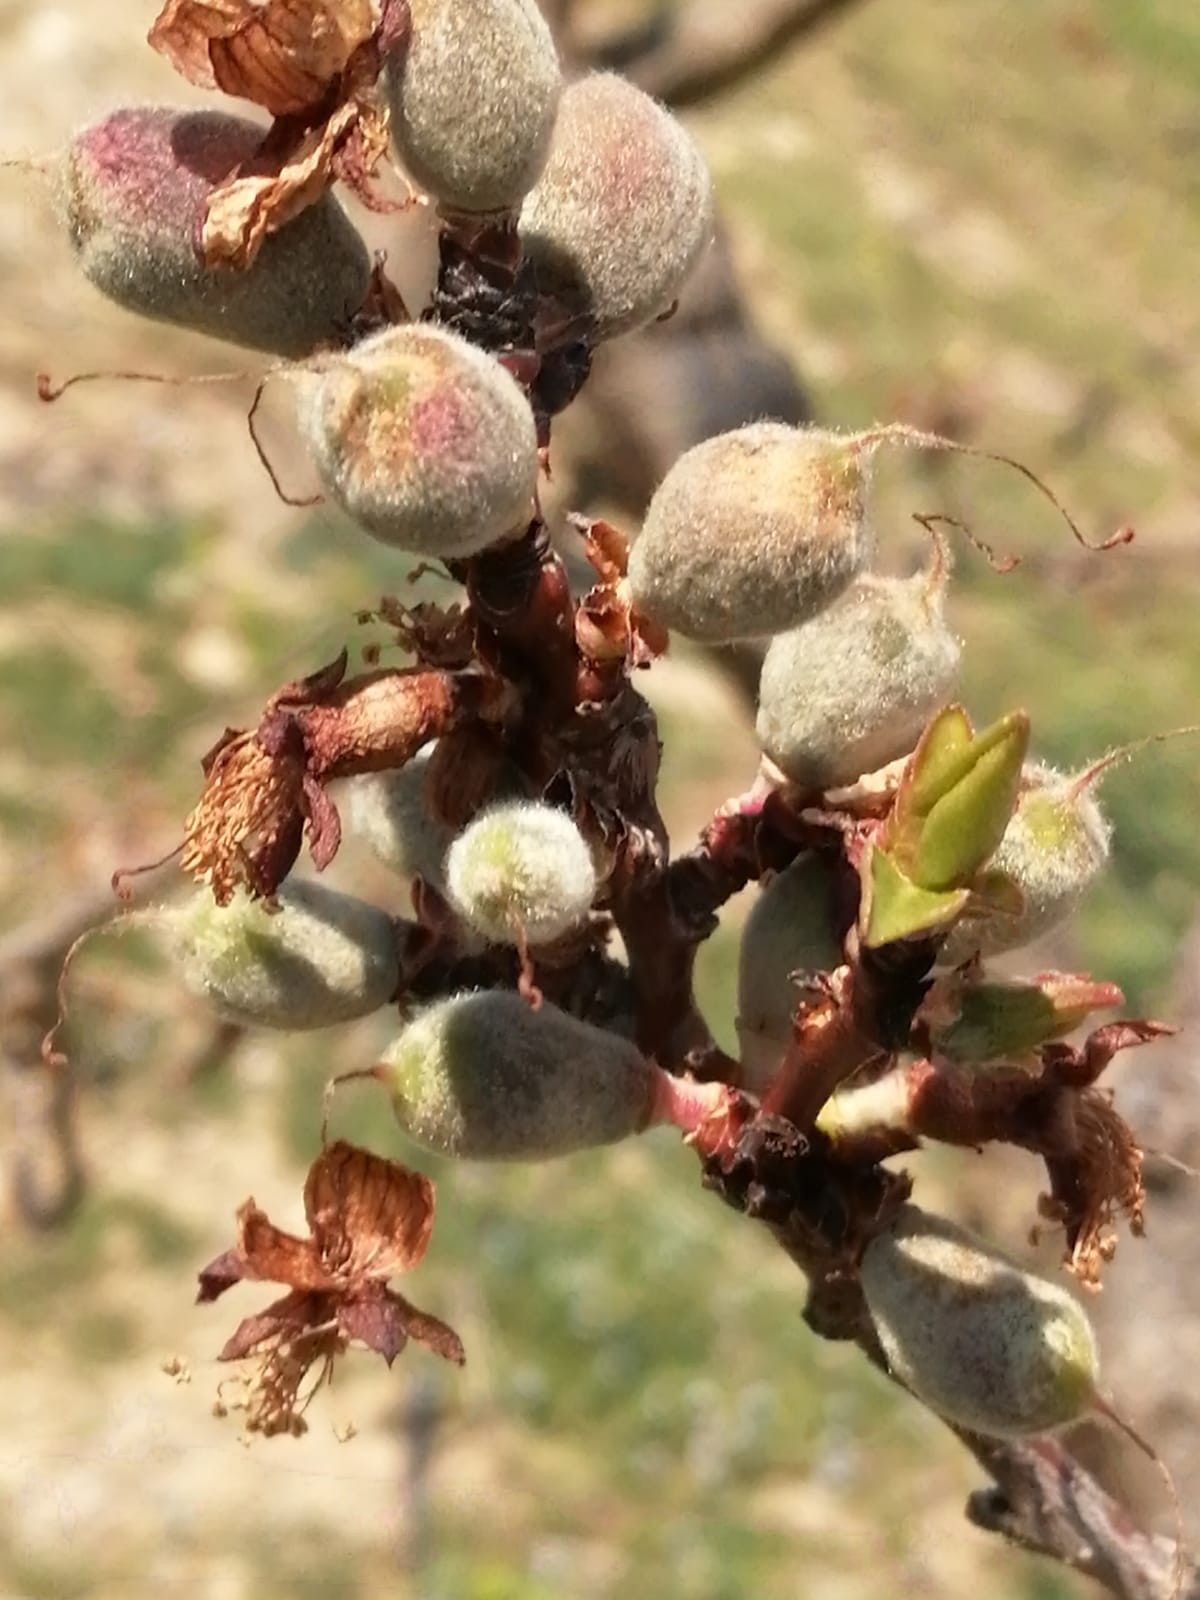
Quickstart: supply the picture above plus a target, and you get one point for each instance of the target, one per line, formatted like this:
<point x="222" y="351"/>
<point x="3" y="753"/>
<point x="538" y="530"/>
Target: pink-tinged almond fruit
<point x="624" y="209"/>
<point x="426" y="441"/>
<point x="133" y="192"/>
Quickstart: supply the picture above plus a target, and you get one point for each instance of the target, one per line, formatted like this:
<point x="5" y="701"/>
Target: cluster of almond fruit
<point x="957" y="844"/>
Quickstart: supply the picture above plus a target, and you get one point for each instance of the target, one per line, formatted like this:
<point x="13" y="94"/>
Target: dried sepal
<point x="368" y="1219"/>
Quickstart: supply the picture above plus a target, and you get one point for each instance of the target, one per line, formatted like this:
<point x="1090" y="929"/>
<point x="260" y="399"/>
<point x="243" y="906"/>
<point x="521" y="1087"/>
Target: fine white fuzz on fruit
<point x="624" y="209"/>
<point x="473" y="96"/>
<point x="753" y="532"/>
<point x="133" y="192"/>
<point x="426" y="441"/>
<point x="855" y="687"/>
<point x="788" y="939"/>
<point x="981" y="1342"/>
<point x="320" y="959"/>
<point x="1054" y="849"/>
<point x="521" y="870"/>
<point x="487" y="1078"/>
<point x="389" y="812"/>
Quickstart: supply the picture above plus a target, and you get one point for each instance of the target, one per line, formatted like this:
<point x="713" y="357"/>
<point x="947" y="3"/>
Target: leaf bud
<point x="521" y="871"/>
<point x="389" y="812"/>
<point x="485" y="1077"/>
<point x="320" y="959"/>
<point x="426" y="441"/>
<point x="852" y="689"/>
<point x="788" y="939"/>
<point x="473" y="97"/>
<point x="1054" y="848"/>
<point x="133" y="192"/>
<point x="624" y="209"/>
<point x="752" y="532"/>
<point x="984" y="1344"/>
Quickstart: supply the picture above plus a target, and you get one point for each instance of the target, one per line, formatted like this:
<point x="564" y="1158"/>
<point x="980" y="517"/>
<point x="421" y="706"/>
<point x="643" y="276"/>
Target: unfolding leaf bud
<point x="390" y="812"/>
<point x="473" y="98"/>
<point x="521" y="870"/>
<point x="753" y="532"/>
<point x="486" y="1077"/>
<point x="426" y="441"/>
<point x="1053" y="849"/>
<point x="320" y="959"/>
<point x="788" y="939"/>
<point x="624" y="209"/>
<point x="981" y="1342"/>
<point x="852" y="689"/>
<point x="133" y="193"/>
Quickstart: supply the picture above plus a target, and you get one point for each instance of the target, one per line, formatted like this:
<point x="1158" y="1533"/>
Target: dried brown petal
<point x="605" y="546"/>
<point x="370" y="1217"/>
<point x="276" y="1256"/>
<point x="243" y="212"/>
<point x="282" y="55"/>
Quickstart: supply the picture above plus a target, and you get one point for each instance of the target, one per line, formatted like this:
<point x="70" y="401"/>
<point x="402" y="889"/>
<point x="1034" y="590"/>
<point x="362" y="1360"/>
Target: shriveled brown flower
<point x="247" y="826"/>
<point x="368" y="1219"/>
<point x="314" y="65"/>
<point x="1099" y="1178"/>
<point x="265" y="789"/>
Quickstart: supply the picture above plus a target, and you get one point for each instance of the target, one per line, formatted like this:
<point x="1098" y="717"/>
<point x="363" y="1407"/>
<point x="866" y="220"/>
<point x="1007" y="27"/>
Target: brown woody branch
<point x="708" y="47"/>
<point x="1047" y="1502"/>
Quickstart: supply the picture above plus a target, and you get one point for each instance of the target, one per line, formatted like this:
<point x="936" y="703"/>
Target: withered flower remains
<point x="368" y="1220"/>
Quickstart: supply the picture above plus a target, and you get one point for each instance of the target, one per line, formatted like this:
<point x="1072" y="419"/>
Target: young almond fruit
<point x="853" y="688"/>
<point x="788" y="939"/>
<point x="487" y="1078"/>
<point x="981" y="1342"/>
<point x="133" y="191"/>
<point x="426" y="441"/>
<point x="521" y="871"/>
<point x="389" y="812"/>
<point x="1054" y="849"/>
<point x="320" y="959"/>
<point x="624" y="209"/>
<point x="753" y="532"/>
<point x="473" y="96"/>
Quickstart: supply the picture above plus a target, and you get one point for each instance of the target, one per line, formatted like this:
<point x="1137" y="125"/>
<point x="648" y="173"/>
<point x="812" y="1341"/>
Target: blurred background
<point x="979" y="218"/>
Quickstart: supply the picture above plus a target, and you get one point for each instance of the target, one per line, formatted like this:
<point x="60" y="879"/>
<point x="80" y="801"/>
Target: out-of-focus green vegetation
<point x="987" y="215"/>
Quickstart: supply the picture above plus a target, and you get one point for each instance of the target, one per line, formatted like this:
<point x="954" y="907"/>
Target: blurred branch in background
<point x="686" y="56"/>
<point x="46" y="1176"/>
<point x="1047" y="1502"/>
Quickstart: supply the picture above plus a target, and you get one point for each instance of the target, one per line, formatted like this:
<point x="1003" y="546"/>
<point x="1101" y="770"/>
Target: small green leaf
<point x="965" y="825"/>
<point x="1005" y="1021"/>
<point x="938" y="759"/>
<point x="900" y="909"/>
